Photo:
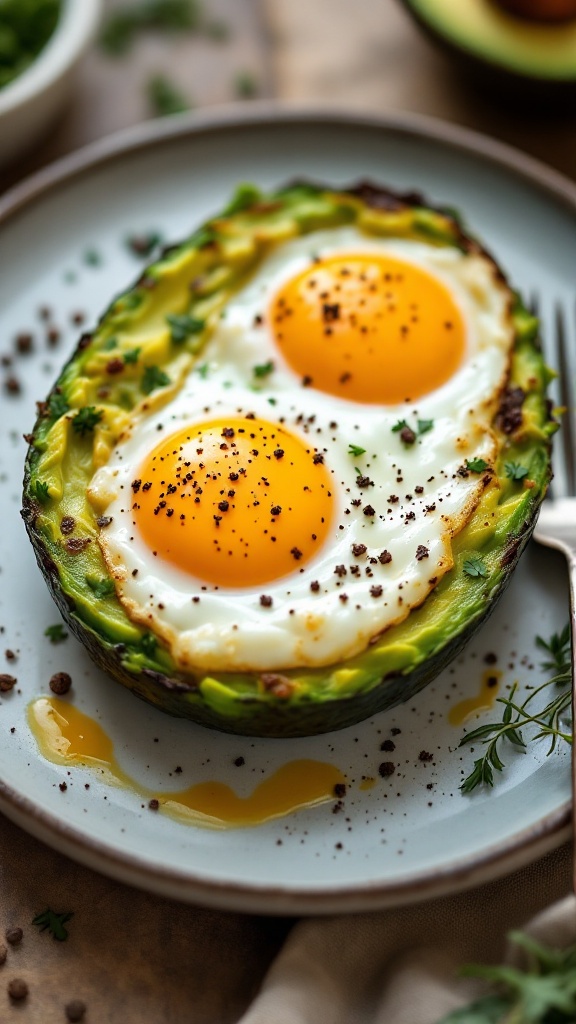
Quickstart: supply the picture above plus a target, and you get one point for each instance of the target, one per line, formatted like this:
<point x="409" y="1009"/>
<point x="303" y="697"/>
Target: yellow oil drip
<point x="67" y="736"/>
<point x="464" y="710"/>
<point x="367" y="784"/>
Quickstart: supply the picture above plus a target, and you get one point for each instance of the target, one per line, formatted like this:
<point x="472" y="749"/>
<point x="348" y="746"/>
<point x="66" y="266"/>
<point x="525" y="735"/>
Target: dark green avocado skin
<point x="497" y="81"/>
<point x="274" y="718"/>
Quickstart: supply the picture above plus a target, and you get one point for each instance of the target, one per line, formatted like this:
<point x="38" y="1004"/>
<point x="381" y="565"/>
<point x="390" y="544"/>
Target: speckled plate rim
<point x="500" y="858"/>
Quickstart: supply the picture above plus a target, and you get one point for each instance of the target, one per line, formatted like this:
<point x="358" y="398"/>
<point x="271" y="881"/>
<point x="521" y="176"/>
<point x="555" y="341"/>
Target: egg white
<point x="228" y="629"/>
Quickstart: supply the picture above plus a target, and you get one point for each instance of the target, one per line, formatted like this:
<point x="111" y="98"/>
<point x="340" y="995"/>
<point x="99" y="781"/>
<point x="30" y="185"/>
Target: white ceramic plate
<point x="412" y="835"/>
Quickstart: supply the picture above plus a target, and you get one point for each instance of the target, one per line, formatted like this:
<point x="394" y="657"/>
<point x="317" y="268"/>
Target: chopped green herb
<point x="92" y="258"/>
<point x="355" y="450"/>
<point x="399" y="426"/>
<point x="110" y="344"/>
<point x="149" y="644"/>
<point x="245" y="196"/>
<point x="152" y="378"/>
<point x="272" y="401"/>
<point x="125" y="22"/>
<point x="203" y="370"/>
<point x="101" y="588"/>
<point x="41" y="491"/>
<point x="246" y="85"/>
<point x="132" y="355"/>
<point x="475" y="566"/>
<point x="183" y="326"/>
<point x="86" y="419"/>
<point x="263" y="370"/>
<point x="25" y="28"/>
<point x="143" y="245"/>
<point x="515" y="471"/>
<point x="165" y="98"/>
<point x="56" y="634"/>
<point x="57" y="405"/>
<point x="517" y="716"/>
<point x="424" y="426"/>
<point x="476" y="465"/>
<point x="54" y="923"/>
<point x="543" y="992"/>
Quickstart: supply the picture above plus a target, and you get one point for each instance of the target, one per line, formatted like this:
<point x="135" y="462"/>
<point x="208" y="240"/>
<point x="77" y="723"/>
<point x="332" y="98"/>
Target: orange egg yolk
<point x="235" y="502"/>
<point x="369" y="328"/>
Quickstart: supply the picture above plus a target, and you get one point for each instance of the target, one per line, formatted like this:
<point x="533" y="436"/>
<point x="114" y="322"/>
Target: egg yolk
<point x="235" y="502"/>
<point x="369" y="328"/>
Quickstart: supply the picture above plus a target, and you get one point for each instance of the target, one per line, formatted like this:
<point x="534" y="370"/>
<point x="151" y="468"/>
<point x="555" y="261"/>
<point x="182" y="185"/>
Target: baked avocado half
<point x="526" y="54"/>
<point x="148" y="342"/>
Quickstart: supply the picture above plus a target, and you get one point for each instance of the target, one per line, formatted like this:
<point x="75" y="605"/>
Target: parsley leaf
<point x="152" y="378"/>
<point x="203" y="370"/>
<point x="399" y="426"/>
<point x="132" y="356"/>
<point x="246" y="85"/>
<point x="245" y="196"/>
<point x="183" y="327"/>
<point x="41" y="491"/>
<point x="149" y="644"/>
<point x="476" y="465"/>
<point x="475" y="566"/>
<point x="515" y="471"/>
<point x="263" y="370"/>
<point x="355" y="450"/>
<point x="110" y="344"/>
<point x="164" y="98"/>
<point x="542" y="993"/>
<point x="86" y="419"/>
<point x="424" y="426"/>
<point x="100" y="587"/>
<point x="57" y="405"/>
<point x="56" y="634"/>
<point x="55" y="923"/>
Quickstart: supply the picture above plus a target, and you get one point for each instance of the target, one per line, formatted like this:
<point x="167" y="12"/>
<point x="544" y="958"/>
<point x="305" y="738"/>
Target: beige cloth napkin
<point x="401" y="966"/>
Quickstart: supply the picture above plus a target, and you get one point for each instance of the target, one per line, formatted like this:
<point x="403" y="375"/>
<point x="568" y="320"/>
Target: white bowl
<point x="30" y="103"/>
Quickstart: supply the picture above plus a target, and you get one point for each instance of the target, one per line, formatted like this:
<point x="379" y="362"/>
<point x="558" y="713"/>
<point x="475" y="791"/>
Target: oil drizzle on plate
<point x="67" y="736"/>
<point x="484" y="700"/>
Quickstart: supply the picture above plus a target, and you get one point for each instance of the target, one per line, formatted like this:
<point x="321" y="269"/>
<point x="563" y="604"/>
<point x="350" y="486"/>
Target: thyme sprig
<point x="516" y="716"/>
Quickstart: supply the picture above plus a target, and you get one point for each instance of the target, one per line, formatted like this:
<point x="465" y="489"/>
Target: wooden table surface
<point x="182" y="963"/>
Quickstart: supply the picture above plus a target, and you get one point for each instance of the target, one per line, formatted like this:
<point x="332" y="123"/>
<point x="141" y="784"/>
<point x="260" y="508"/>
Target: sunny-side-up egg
<point x="299" y="495"/>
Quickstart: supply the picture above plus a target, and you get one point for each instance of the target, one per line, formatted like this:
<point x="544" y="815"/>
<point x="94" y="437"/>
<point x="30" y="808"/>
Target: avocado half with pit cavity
<point x="106" y="378"/>
<point x="524" y="56"/>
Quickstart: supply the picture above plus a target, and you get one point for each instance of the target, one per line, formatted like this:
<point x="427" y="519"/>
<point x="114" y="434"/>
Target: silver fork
<point x="556" y="526"/>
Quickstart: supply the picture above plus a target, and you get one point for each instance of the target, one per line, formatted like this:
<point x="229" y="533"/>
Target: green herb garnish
<point x="143" y="245"/>
<point x="399" y="426"/>
<point x="152" y="378"/>
<point x="355" y="450"/>
<point x="476" y="465"/>
<point x="54" y="923"/>
<point x="57" y="405"/>
<point x="203" y="370"/>
<point x="165" y="98"/>
<point x="148" y="645"/>
<point x="424" y="426"/>
<point x="110" y="344"/>
<point x="41" y="491"/>
<point x="543" y="993"/>
<point x="263" y="370"/>
<point x="86" y="419"/>
<point x="25" y="28"/>
<point x="516" y="716"/>
<point x="101" y="588"/>
<point x="132" y="356"/>
<point x="92" y="258"/>
<point x="183" y="327"/>
<point x="56" y="634"/>
<point x="123" y="24"/>
<point x="475" y="566"/>
<point x="245" y="196"/>
<point x="246" y="85"/>
<point x="515" y="471"/>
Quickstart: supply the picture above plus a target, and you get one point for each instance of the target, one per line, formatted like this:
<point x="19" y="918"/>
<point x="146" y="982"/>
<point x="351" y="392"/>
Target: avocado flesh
<point x="65" y="452"/>
<point x="482" y="29"/>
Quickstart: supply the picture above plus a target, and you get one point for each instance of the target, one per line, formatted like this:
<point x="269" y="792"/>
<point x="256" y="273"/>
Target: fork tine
<point x="567" y="398"/>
